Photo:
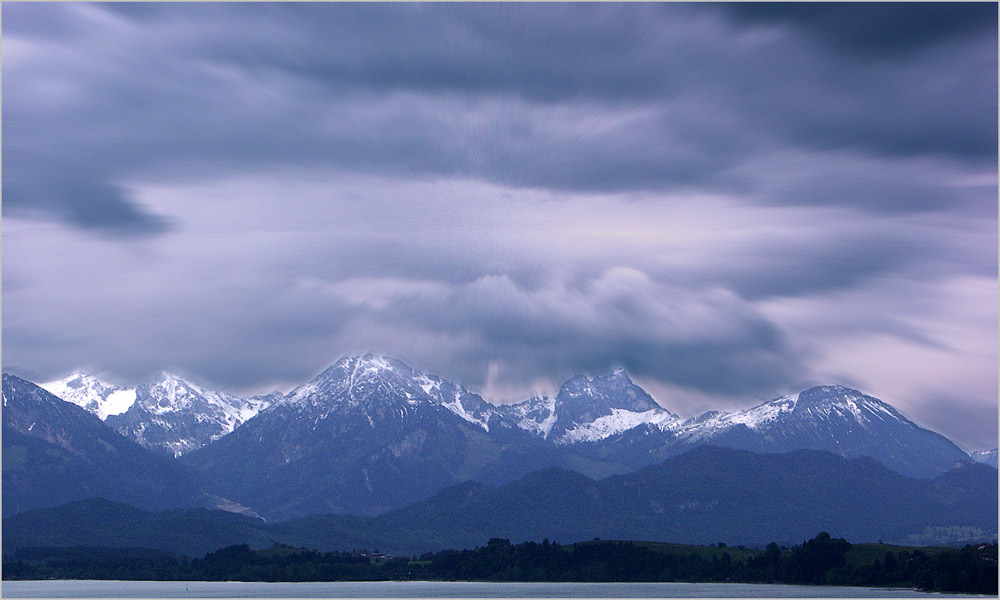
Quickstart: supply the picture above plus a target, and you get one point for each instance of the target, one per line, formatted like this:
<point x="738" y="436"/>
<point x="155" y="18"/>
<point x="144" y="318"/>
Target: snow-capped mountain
<point x="56" y="452"/>
<point x="175" y="416"/>
<point x="836" y="419"/>
<point x="830" y="404"/>
<point x="589" y="410"/>
<point x="372" y="385"/>
<point x="988" y="457"/>
<point x="95" y="396"/>
<point x="367" y="434"/>
<point x="169" y="415"/>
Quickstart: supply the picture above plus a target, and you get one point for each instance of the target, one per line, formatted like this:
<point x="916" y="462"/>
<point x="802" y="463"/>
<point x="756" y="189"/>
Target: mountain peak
<point x="378" y="362"/>
<point x="167" y="377"/>
<point x="76" y="378"/>
<point x="365" y="365"/>
<point x="576" y="379"/>
<point x="820" y="402"/>
<point x="88" y="392"/>
<point x="592" y="409"/>
<point x="614" y="390"/>
<point x="371" y="379"/>
<point x="618" y="376"/>
<point x="839" y="397"/>
<point x="829" y="393"/>
<point x="377" y="387"/>
<point x="619" y="373"/>
<point x="175" y="416"/>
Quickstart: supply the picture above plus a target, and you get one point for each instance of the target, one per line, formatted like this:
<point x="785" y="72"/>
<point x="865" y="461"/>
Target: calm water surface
<point x="435" y="589"/>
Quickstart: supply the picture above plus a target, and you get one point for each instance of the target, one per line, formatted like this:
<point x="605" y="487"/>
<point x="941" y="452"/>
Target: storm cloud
<point x="728" y="200"/>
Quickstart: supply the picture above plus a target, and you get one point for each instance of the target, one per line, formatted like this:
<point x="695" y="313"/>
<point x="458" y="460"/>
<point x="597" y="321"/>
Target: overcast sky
<point x="731" y="201"/>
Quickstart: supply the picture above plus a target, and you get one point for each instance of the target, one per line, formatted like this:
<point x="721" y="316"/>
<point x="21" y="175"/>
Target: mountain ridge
<point x="370" y="434"/>
<point x="169" y="415"/>
<point x="628" y="408"/>
<point x="702" y="496"/>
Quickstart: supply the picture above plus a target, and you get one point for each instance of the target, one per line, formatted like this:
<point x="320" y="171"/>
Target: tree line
<point x="822" y="560"/>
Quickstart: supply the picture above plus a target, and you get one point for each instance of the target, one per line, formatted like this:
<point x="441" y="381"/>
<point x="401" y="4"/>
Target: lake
<point x="435" y="589"/>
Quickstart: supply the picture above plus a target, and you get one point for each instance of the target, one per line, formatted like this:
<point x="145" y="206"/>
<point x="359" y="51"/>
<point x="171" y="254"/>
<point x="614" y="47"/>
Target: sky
<point x="732" y="201"/>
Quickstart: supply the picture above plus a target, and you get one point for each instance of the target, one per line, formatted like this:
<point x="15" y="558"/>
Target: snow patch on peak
<point x="764" y="413"/>
<point x="458" y="408"/>
<point x="429" y="385"/>
<point x="374" y="363"/>
<point x="620" y="420"/>
<point x="537" y="415"/>
<point x="169" y="393"/>
<point x="548" y="422"/>
<point x="846" y="403"/>
<point x="714" y="421"/>
<point x="118" y="402"/>
<point x="93" y="395"/>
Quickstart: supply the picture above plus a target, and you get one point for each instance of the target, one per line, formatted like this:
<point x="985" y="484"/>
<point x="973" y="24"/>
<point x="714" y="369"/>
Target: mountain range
<point x="370" y="435"/>
<point x="169" y="415"/>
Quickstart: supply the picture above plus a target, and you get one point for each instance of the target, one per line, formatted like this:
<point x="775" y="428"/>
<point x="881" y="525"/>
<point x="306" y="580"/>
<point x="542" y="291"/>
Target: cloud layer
<point x="728" y="200"/>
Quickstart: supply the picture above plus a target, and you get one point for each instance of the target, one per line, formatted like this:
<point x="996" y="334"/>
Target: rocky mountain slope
<point x="55" y="452"/>
<point x="366" y="435"/>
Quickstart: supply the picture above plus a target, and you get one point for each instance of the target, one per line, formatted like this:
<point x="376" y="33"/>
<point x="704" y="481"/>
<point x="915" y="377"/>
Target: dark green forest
<point x="822" y="560"/>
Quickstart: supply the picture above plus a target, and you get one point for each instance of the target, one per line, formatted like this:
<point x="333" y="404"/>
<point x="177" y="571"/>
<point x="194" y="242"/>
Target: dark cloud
<point x="829" y="261"/>
<point x="502" y="192"/>
<point x="706" y="339"/>
<point x="570" y="97"/>
<point x="83" y="198"/>
<point x="874" y="29"/>
<point x="577" y="50"/>
<point x="901" y="79"/>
